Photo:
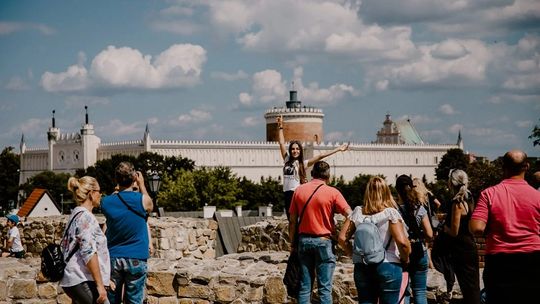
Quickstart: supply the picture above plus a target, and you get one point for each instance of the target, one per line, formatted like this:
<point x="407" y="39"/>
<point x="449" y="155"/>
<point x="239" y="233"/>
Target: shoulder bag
<point x="292" y="273"/>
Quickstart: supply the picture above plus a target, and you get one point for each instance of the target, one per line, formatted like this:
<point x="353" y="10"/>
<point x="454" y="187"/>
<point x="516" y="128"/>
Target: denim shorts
<point x="130" y="275"/>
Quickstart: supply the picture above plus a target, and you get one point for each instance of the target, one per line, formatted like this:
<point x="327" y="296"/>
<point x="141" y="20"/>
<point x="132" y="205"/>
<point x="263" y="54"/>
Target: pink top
<point x="511" y="210"/>
<point x="319" y="215"/>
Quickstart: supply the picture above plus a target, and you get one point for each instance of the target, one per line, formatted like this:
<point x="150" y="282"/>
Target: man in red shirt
<point x="315" y="229"/>
<point x="509" y="216"/>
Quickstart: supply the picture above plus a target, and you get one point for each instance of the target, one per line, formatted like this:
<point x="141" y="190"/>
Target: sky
<point x="209" y="69"/>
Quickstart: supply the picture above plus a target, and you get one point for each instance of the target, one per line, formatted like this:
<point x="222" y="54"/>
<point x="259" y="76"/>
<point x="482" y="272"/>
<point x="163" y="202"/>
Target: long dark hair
<point x="300" y="159"/>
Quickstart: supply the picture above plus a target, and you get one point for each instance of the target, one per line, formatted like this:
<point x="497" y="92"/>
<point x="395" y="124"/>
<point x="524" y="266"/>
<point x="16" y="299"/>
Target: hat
<point x="402" y="181"/>
<point x="13" y="217"/>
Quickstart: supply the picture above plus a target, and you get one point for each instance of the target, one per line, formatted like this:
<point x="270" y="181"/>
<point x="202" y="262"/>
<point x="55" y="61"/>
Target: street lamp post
<point x="154" y="181"/>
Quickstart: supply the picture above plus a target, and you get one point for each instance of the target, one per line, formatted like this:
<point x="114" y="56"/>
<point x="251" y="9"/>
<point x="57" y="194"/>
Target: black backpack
<point x="52" y="258"/>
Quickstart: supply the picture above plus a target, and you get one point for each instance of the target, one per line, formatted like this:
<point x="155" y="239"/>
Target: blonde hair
<point x="377" y="196"/>
<point x="460" y="181"/>
<point x="81" y="187"/>
<point x="419" y="193"/>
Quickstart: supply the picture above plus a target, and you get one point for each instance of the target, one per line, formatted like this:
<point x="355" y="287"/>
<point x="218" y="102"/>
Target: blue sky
<point x="208" y="70"/>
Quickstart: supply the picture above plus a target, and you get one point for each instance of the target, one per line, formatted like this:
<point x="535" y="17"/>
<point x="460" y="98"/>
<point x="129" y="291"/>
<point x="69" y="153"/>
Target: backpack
<point x="52" y="258"/>
<point x="368" y="246"/>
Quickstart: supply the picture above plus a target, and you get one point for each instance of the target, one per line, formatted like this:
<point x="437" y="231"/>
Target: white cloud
<point x="118" y="128"/>
<point x="81" y="101"/>
<point x="250" y="121"/>
<point x="228" y="76"/>
<point x="524" y="123"/>
<point x="178" y="66"/>
<point x="339" y="136"/>
<point x="181" y="27"/>
<point x="419" y="119"/>
<point x="455" y="128"/>
<point x="7" y="28"/>
<point x="194" y="116"/>
<point x="245" y="99"/>
<point x="447" y="109"/>
<point x="302" y="25"/>
<point x="17" y="84"/>
<point x="449" y="70"/>
<point x="269" y="87"/>
<point x="74" y="79"/>
<point x="449" y="49"/>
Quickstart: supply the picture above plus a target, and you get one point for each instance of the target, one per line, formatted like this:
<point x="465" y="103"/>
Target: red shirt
<point x="319" y="215"/>
<point x="511" y="210"/>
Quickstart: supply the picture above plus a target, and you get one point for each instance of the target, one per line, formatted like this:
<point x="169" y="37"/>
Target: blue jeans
<point x="378" y="282"/>
<point x="418" y="280"/>
<point x="128" y="275"/>
<point x="316" y="253"/>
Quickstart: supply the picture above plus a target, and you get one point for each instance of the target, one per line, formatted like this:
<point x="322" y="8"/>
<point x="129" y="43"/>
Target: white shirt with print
<point x="16" y="246"/>
<point x="382" y="220"/>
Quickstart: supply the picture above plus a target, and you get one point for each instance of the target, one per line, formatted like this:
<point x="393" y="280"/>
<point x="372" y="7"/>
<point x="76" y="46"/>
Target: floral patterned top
<point x="86" y="232"/>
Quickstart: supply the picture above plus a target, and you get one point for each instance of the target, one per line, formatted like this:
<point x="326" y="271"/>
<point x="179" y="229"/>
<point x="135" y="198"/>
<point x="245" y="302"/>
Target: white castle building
<point x="399" y="149"/>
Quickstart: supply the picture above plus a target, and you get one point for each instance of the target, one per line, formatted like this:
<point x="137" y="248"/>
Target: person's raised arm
<point x="148" y="204"/>
<point x="321" y="156"/>
<point x="281" y="138"/>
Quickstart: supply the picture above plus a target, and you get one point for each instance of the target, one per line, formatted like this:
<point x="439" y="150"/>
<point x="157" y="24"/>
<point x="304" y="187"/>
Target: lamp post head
<point x="154" y="181"/>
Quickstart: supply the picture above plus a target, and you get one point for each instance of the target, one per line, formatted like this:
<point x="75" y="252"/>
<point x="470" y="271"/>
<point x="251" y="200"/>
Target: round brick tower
<point x="299" y="123"/>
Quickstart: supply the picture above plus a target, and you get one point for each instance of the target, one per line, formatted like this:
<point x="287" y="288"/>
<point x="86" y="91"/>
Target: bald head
<point x="515" y="163"/>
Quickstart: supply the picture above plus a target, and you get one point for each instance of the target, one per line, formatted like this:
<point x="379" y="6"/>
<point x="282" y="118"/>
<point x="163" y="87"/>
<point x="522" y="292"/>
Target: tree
<point x="535" y="135"/>
<point x="9" y="178"/>
<point x="483" y="175"/>
<point x="178" y="192"/>
<point x="354" y="190"/>
<point x="217" y="187"/>
<point x="56" y="184"/>
<point x="104" y="169"/>
<point x="453" y="159"/>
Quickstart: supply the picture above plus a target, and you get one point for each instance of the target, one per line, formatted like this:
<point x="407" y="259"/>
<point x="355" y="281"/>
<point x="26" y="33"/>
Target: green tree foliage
<point x="148" y="163"/>
<point x="178" y="192"/>
<point x="535" y="135"/>
<point x="354" y="190"/>
<point x="217" y="187"/>
<point x="9" y="178"/>
<point x="103" y="171"/>
<point x="483" y="175"/>
<point x="453" y="159"/>
<point x="268" y="191"/>
<point x="56" y="184"/>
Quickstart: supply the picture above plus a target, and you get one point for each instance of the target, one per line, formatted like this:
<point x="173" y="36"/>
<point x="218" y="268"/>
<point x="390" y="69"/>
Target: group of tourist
<point x="508" y="214"/>
<point x="111" y="263"/>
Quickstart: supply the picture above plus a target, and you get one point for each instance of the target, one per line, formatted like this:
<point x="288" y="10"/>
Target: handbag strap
<point x="304" y="209"/>
<point x="297" y="228"/>
<point x="145" y="217"/>
<point x="72" y="252"/>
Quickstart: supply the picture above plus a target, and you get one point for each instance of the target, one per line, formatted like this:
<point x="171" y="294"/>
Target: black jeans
<point x="465" y="265"/>
<point x="512" y="278"/>
<point x="288" y="198"/>
<point x="84" y="293"/>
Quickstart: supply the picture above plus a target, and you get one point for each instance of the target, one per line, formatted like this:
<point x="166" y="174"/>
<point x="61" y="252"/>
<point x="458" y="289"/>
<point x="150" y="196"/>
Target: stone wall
<point x="173" y="238"/>
<point x="184" y="269"/>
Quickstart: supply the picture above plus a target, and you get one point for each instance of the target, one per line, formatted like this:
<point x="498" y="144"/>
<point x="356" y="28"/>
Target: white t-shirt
<point x="382" y="220"/>
<point x="16" y="246"/>
<point x="291" y="174"/>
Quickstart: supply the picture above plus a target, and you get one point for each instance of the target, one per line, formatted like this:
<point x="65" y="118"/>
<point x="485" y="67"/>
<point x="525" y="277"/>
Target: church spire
<point x="86" y="115"/>
<point x="53" y="120"/>
<point x="459" y="140"/>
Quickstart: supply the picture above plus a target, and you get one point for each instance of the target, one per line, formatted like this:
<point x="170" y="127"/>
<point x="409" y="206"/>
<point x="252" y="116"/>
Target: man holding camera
<point x="127" y="235"/>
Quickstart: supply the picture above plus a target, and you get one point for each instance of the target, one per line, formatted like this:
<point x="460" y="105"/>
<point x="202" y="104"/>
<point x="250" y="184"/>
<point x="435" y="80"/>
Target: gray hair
<point x="460" y="180"/>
